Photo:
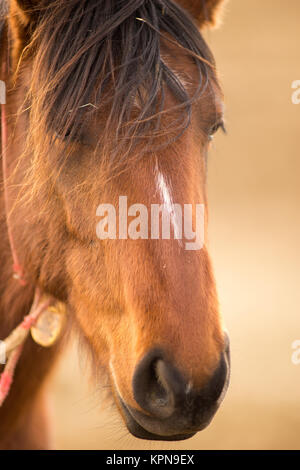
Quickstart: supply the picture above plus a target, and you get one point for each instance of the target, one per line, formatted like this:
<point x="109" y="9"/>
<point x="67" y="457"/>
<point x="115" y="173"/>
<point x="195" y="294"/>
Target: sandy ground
<point x="254" y="239"/>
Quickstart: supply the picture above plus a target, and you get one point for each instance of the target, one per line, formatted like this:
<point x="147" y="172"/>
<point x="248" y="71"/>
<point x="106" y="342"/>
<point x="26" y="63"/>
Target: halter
<point x="44" y="319"/>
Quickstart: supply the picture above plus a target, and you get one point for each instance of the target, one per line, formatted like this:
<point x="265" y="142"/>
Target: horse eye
<point x="215" y="128"/>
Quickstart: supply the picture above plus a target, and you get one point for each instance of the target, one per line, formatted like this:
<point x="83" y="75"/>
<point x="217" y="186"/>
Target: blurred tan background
<point x="254" y="237"/>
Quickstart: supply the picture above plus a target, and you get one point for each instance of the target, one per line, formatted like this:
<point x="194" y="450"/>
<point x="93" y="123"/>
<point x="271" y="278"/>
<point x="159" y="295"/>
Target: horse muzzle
<point x="171" y="408"/>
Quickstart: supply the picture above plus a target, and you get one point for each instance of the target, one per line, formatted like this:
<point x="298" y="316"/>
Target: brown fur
<point x="207" y="13"/>
<point x="126" y="297"/>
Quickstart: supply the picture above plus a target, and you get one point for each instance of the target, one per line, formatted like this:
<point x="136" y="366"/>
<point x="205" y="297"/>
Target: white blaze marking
<point x="168" y="203"/>
<point x="165" y="193"/>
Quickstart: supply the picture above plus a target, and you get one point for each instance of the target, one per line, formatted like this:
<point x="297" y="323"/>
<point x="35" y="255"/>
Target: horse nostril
<point x="216" y="388"/>
<point x="161" y="390"/>
<point x="156" y="385"/>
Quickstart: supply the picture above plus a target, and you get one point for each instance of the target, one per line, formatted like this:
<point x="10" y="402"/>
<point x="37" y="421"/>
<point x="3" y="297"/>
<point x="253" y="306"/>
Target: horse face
<point x="146" y="305"/>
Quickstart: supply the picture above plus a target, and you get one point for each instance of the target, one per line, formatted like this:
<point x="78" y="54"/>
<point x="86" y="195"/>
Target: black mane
<point x="104" y="55"/>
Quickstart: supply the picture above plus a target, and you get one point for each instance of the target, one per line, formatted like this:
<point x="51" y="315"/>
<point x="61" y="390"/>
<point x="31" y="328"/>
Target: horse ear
<point x="207" y="13"/>
<point x="22" y="18"/>
<point x="25" y="10"/>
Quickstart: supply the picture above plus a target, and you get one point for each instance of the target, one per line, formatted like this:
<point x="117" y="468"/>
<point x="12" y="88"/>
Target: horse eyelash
<point x="216" y="127"/>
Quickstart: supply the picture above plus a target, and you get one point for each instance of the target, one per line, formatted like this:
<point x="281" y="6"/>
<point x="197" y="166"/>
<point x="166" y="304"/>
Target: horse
<point x="108" y="99"/>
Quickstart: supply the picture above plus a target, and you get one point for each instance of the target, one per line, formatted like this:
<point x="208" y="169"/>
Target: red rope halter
<point x="17" y="268"/>
<point x="15" y="341"/>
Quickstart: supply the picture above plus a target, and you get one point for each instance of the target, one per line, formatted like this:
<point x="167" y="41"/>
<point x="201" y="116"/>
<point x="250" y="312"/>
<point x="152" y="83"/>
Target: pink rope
<point x="31" y="319"/>
<point x="7" y="376"/>
<point x="17" y="268"/>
